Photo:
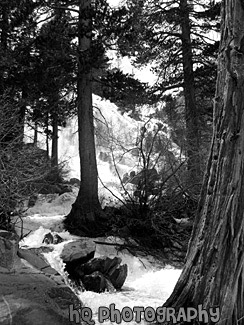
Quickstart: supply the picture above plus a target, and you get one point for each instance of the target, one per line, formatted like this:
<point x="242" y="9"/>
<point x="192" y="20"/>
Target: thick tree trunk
<point x="191" y="115"/>
<point x="87" y="205"/>
<point x="214" y="272"/>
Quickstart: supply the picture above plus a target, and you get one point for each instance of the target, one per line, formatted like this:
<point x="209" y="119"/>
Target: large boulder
<point x="106" y="272"/>
<point x="95" y="274"/>
<point x="78" y="249"/>
<point x="8" y="249"/>
<point x="103" y="264"/>
<point x="29" y="297"/>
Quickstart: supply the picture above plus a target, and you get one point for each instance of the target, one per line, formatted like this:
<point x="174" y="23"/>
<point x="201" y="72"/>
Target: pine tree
<point x="173" y="37"/>
<point x="17" y="30"/>
<point x="54" y="79"/>
<point x="86" y="208"/>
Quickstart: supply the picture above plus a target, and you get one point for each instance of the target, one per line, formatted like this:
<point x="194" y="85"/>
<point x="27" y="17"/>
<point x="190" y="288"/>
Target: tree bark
<point x="86" y="206"/>
<point x="191" y="114"/>
<point x="214" y="272"/>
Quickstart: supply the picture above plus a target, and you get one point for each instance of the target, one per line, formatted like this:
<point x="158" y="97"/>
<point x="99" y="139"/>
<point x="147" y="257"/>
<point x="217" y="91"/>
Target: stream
<point x="147" y="284"/>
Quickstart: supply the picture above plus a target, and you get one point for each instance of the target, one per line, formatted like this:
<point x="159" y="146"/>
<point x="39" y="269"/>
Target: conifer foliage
<point x="177" y="38"/>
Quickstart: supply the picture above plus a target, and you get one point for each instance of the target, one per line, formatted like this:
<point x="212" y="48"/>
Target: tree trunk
<point x="54" y="156"/>
<point x="87" y="205"/>
<point x="214" y="272"/>
<point x="47" y="135"/>
<point x="191" y="115"/>
<point x="35" y="134"/>
<point x="22" y="112"/>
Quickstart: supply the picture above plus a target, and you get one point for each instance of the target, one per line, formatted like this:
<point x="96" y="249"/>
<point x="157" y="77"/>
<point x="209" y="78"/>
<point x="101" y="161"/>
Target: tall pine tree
<point x="174" y="37"/>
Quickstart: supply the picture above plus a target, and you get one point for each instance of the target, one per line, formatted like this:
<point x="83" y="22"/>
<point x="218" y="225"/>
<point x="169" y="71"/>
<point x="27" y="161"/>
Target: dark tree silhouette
<point x="87" y="206"/>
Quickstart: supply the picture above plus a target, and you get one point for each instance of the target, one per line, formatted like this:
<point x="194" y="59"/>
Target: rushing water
<point x="145" y="286"/>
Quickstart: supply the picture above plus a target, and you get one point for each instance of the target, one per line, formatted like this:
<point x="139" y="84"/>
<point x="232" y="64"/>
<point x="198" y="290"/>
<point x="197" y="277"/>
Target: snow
<point x="145" y="286"/>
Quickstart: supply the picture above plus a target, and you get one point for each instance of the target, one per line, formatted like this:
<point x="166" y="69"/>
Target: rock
<point x="58" y="279"/>
<point x="102" y="264"/>
<point x="36" y="259"/>
<point x="62" y="295"/>
<point x="66" y="198"/>
<point x="70" y="268"/>
<point x="30" y="298"/>
<point x="109" y="286"/>
<point x="118" y="276"/>
<point x="57" y="239"/>
<point x="95" y="282"/>
<point x="48" y="238"/>
<point x="125" y="178"/>
<point x="78" y="249"/>
<point x="8" y="249"/>
<point x="109" y="268"/>
<point x="52" y="239"/>
<point x="74" y="181"/>
<point x="65" y="188"/>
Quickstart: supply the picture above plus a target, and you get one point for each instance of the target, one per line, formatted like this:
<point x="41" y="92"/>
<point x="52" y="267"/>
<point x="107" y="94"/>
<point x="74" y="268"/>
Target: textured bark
<point x="87" y="205"/>
<point x="214" y="274"/>
<point x="191" y="115"/>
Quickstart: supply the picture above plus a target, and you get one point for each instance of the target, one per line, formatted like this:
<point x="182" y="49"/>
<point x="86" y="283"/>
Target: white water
<point x="145" y="286"/>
